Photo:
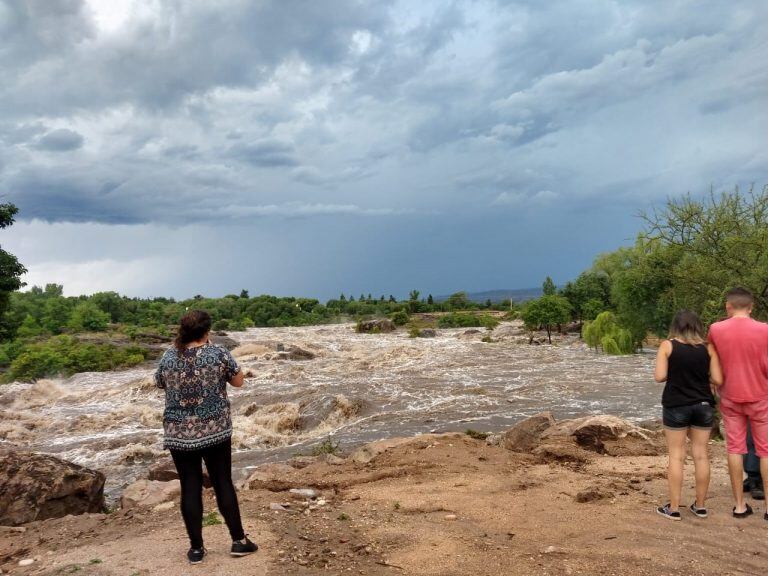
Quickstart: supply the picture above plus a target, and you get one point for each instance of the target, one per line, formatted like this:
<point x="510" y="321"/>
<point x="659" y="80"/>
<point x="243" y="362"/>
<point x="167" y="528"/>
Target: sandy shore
<point x="434" y="505"/>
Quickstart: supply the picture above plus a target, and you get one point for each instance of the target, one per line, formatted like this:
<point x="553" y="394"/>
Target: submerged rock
<point x="38" y="487"/>
<point x="221" y="339"/>
<point x="374" y="326"/>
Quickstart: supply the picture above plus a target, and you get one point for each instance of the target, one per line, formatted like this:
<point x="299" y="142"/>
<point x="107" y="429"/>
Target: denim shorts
<point x="699" y="415"/>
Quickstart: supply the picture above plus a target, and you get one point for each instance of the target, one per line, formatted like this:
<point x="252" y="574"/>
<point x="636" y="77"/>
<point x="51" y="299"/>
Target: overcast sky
<point x="313" y="147"/>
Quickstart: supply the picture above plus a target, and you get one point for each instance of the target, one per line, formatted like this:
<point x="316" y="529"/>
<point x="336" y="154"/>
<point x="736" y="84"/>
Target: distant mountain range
<point x="518" y="295"/>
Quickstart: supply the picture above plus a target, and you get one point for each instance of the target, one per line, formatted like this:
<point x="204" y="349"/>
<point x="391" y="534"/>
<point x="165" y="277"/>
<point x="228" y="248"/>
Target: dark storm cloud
<point x="60" y="140"/>
<point x="264" y="154"/>
<point x="346" y="118"/>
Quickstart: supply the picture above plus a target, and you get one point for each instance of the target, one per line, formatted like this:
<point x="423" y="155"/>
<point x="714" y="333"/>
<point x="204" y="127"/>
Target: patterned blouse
<point x="197" y="412"/>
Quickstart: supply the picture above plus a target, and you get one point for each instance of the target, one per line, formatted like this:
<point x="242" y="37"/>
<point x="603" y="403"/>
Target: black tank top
<point x="687" y="376"/>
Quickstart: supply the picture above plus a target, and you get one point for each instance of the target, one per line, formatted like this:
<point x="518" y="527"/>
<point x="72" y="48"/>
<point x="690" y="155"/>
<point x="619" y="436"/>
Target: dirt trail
<point x="445" y="505"/>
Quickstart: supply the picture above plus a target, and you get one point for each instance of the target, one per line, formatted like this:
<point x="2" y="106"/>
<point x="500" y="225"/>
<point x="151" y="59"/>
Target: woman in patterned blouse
<point x="198" y="427"/>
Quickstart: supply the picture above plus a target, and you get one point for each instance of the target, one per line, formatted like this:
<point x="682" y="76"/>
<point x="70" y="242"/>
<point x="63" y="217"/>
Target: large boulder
<point x="526" y="435"/>
<point x="38" y="487"/>
<point x="221" y="339"/>
<point x="149" y="493"/>
<point x="606" y="434"/>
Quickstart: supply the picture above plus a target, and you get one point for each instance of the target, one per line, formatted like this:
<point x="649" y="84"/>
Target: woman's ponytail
<point x="193" y="326"/>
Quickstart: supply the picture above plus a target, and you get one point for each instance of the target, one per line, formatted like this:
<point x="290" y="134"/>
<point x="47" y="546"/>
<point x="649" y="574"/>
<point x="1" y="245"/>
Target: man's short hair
<point x="739" y="298"/>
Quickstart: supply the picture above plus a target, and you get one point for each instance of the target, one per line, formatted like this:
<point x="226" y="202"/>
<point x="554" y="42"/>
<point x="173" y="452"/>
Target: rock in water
<point x="221" y="339"/>
<point x="37" y="487"/>
<point x="375" y="326"/>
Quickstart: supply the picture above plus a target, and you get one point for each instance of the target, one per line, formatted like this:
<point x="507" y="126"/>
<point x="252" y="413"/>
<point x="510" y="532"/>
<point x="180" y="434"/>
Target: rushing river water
<point x="357" y="387"/>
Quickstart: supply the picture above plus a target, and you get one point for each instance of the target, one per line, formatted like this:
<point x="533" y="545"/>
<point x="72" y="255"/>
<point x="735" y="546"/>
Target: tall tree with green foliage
<point x="547" y="312"/>
<point x="548" y="287"/>
<point x="589" y="294"/>
<point x="11" y="269"/>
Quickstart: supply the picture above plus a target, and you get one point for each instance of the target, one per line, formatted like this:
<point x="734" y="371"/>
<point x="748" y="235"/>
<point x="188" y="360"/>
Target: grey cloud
<point x="60" y="140"/>
<point x="264" y="154"/>
<point x="364" y="119"/>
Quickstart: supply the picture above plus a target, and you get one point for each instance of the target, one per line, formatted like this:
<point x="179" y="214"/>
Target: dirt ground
<point x="447" y="505"/>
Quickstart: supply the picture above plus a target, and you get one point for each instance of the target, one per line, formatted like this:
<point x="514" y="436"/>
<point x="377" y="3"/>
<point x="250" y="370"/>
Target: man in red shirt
<point x="742" y="344"/>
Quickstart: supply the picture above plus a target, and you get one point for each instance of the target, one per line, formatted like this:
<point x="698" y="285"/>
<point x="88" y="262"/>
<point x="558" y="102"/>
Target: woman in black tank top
<point x="690" y="368"/>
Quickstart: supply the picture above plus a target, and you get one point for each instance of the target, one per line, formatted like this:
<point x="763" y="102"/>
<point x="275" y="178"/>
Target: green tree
<point x="88" y="317"/>
<point x="548" y="287"/>
<point x="458" y="301"/>
<point x="11" y="269"/>
<point x="606" y="333"/>
<point x="547" y="312"/>
<point x="589" y="287"/>
<point x="244" y="294"/>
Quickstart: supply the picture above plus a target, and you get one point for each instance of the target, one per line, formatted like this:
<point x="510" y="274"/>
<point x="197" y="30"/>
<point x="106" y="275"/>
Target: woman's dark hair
<point x="193" y="326"/>
<point x="687" y="327"/>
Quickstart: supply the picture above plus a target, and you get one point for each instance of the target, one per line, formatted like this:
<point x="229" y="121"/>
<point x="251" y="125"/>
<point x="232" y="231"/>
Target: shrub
<point x="476" y="434"/>
<point x="65" y="355"/>
<point x="467" y="320"/>
<point x="327" y="446"/>
<point x="400" y="318"/>
<point x="88" y="317"/>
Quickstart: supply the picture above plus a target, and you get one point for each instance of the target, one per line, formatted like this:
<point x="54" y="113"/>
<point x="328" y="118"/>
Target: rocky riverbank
<point x="545" y="497"/>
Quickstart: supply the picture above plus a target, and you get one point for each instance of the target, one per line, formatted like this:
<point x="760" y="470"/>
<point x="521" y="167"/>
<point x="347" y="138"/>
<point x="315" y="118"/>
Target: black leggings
<point x="218" y="462"/>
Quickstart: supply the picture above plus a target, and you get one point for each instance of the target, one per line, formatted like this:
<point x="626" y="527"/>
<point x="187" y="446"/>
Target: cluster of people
<point x="730" y="362"/>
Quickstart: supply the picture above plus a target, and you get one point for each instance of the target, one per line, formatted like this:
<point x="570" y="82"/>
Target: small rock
<point x="549" y="550"/>
<point x="451" y="517"/>
<point x="309" y="493"/>
<point x="164" y="507"/>
<point x="276" y="506"/>
<point x="27" y="562"/>
<point x="321" y="502"/>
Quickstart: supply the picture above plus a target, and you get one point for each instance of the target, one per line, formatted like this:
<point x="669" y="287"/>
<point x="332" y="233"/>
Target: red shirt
<point x="742" y="344"/>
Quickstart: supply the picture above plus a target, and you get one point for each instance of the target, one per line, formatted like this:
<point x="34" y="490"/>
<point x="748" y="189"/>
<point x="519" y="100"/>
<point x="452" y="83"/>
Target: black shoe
<point x="747" y="486"/>
<point x="196" y="555"/>
<point x="757" y="490"/>
<point x="243" y="547"/>
<point x="700" y="512"/>
<point x="747" y="512"/>
<point x="667" y="513"/>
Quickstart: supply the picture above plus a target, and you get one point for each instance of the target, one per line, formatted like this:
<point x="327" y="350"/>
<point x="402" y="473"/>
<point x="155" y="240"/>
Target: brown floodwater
<point x="358" y="388"/>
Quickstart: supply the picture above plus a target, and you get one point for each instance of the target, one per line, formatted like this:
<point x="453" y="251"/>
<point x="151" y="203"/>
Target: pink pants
<point x="735" y="417"/>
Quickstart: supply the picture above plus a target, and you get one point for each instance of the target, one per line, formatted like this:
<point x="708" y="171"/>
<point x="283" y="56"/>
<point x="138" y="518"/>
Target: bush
<point x="400" y="318"/>
<point x="65" y="355"/>
<point x="476" y="434"/>
<point x="87" y="317"/>
<point x="467" y="320"/>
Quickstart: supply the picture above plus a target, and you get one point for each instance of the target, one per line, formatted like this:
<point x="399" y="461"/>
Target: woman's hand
<point x="715" y="370"/>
